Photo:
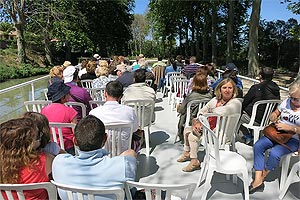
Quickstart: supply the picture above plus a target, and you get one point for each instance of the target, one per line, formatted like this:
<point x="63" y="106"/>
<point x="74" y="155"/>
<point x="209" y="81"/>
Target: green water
<point x="11" y="103"/>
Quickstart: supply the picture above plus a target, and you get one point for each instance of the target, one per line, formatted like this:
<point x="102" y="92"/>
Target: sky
<point x="270" y="10"/>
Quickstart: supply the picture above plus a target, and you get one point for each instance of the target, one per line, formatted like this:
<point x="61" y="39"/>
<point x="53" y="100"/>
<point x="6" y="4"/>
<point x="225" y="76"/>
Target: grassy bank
<point x="10" y="68"/>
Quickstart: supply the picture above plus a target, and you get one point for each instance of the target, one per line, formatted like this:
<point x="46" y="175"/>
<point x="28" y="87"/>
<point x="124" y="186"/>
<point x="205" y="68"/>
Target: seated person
<point x="56" y="74"/>
<point x="20" y="162"/>
<point x="113" y="112"/>
<point x="289" y="121"/>
<point x="59" y="93"/>
<point x="92" y="168"/>
<point x="224" y="103"/>
<point x="199" y="91"/>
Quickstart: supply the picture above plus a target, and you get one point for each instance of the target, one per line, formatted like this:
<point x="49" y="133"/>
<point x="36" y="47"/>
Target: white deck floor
<point x="161" y="165"/>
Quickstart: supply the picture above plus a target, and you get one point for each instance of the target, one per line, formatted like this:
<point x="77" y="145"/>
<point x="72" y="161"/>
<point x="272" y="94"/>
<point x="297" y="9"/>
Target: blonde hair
<point x="294" y="87"/>
<point x="223" y="82"/>
<point x="102" y="71"/>
<point x="91" y="67"/>
<point x="103" y="63"/>
<point x="56" y="71"/>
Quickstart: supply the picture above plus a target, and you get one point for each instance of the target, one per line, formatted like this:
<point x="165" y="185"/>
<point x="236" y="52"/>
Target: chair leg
<point x="293" y="177"/>
<point x="284" y="170"/>
<point x="207" y="184"/>
<point x="147" y="140"/>
<point x="245" y="181"/>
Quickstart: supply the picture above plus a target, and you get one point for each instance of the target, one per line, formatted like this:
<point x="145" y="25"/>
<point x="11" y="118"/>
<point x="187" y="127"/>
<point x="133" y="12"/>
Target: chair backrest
<point x="169" y="75"/>
<point x="75" y="192"/>
<point x="36" y="106"/>
<point x="226" y="127"/>
<point x="144" y="110"/>
<point x="10" y="189"/>
<point x="94" y="104"/>
<point x="45" y="93"/>
<point x="185" y="191"/>
<point x="270" y="106"/>
<point x="180" y="85"/>
<point x="56" y="130"/>
<point x="117" y="140"/>
<point x="194" y="104"/>
<point x="97" y="94"/>
<point x="174" y="78"/>
<point x="88" y="83"/>
<point x="211" y="141"/>
<point x="78" y="104"/>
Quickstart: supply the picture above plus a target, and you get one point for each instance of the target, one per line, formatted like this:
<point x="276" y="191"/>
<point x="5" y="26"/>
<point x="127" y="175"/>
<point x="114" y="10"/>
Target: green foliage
<point x="6" y="27"/>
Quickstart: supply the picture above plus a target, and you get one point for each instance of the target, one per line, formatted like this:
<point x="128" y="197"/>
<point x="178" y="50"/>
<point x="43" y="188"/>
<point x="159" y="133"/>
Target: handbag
<point x="278" y="136"/>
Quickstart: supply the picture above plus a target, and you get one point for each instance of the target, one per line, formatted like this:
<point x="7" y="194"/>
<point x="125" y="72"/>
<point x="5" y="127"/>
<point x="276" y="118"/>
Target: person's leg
<point x="186" y="148"/>
<point x="194" y="164"/>
<point x="259" y="149"/>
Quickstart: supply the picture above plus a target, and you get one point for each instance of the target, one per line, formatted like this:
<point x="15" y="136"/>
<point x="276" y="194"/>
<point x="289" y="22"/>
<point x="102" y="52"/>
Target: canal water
<point x="11" y="103"/>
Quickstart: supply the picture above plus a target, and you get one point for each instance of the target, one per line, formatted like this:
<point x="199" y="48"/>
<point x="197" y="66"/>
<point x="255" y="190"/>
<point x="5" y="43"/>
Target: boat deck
<point x="161" y="166"/>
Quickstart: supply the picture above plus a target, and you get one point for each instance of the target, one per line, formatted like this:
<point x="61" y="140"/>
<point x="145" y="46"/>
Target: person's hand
<point x="197" y="127"/>
<point x="273" y="118"/>
<point x="283" y="127"/>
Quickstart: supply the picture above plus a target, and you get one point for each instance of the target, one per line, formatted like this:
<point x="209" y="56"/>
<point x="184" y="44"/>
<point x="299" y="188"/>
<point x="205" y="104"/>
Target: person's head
<point x="97" y="56"/>
<point x="139" y="76"/>
<point x="211" y="68"/>
<point x="202" y="70"/>
<point x="91" y="67"/>
<point x="121" y="59"/>
<point x="56" y="71"/>
<point x="199" y="83"/>
<point x="230" y="74"/>
<point x="42" y="124"/>
<point x="90" y="134"/>
<point x="103" y="63"/>
<point x="231" y="66"/>
<point x="226" y="89"/>
<point x="83" y="64"/>
<point x="192" y="59"/>
<point x="58" y="92"/>
<point x="70" y="74"/>
<point x="159" y="58"/>
<point x="266" y="73"/>
<point x="120" y="69"/>
<point x="66" y="64"/>
<point x="102" y="71"/>
<point x="179" y="58"/>
<point x="294" y="93"/>
<point x="114" y="89"/>
<point x="17" y="139"/>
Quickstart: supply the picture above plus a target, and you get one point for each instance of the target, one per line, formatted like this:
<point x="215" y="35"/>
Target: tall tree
<point x="253" y="66"/>
<point x="16" y="11"/>
<point x="230" y="31"/>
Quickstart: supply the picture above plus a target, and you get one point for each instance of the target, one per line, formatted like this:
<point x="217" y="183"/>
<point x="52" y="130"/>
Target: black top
<point x="126" y="78"/>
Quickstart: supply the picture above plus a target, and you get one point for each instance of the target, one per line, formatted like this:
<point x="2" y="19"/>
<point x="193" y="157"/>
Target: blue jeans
<point x="277" y="151"/>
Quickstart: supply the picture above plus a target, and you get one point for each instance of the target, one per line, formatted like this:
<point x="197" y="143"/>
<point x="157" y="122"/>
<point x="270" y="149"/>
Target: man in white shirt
<point x="113" y="112"/>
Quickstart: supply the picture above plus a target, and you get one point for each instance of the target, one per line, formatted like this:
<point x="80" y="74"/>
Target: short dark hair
<point x="159" y="58"/>
<point x="114" y="89"/>
<point x="140" y="75"/>
<point x="89" y="133"/>
<point x="266" y="73"/>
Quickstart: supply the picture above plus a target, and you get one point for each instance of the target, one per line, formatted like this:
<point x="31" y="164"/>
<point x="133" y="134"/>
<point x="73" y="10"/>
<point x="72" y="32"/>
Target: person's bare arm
<point x="129" y="152"/>
<point x="49" y="160"/>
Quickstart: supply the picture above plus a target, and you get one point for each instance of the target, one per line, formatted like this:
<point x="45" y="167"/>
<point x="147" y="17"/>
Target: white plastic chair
<point x="87" y="83"/>
<point x="97" y="94"/>
<point x="293" y="177"/>
<point x="180" y="87"/>
<point x="199" y="104"/>
<point x="94" y="104"/>
<point x="174" y="88"/>
<point x="45" y="93"/>
<point x="144" y="110"/>
<point x="19" y="189"/>
<point x="56" y="130"/>
<point x="75" y="192"/>
<point x="78" y="104"/>
<point x="167" y="86"/>
<point x="216" y="160"/>
<point x="270" y="106"/>
<point x="36" y="106"/>
<point x="185" y="190"/>
<point x="115" y="141"/>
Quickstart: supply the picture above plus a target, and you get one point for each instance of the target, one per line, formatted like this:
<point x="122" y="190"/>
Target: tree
<point x="16" y="11"/>
<point x="253" y="66"/>
<point x="139" y="32"/>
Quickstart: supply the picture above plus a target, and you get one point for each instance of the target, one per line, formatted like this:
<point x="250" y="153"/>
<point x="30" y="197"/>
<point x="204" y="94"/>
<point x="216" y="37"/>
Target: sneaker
<point x="248" y="138"/>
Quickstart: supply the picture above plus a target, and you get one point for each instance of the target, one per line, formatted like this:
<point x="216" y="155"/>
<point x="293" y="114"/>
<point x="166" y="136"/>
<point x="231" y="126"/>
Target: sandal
<point x="191" y="167"/>
<point x="183" y="158"/>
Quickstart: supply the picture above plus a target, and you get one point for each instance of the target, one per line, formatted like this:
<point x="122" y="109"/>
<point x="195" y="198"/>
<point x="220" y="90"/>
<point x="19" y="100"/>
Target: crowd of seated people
<point x="38" y="151"/>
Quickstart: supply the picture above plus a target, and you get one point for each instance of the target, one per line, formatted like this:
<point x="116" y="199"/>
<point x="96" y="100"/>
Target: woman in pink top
<point x="59" y="93"/>
<point x="20" y="161"/>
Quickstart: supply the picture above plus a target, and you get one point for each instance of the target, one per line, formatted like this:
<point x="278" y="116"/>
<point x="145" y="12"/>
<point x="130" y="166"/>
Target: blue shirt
<point x="93" y="169"/>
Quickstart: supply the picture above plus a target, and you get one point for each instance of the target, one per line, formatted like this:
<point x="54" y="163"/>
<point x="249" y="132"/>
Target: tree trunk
<point x="214" y="33"/>
<point x="193" y="37"/>
<point x="253" y="67"/>
<point x="278" y="55"/>
<point x="20" y="42"/>
<point x="230" y="32"/>
<point x="299" y="61"/>
<point x="47" y="48"/>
